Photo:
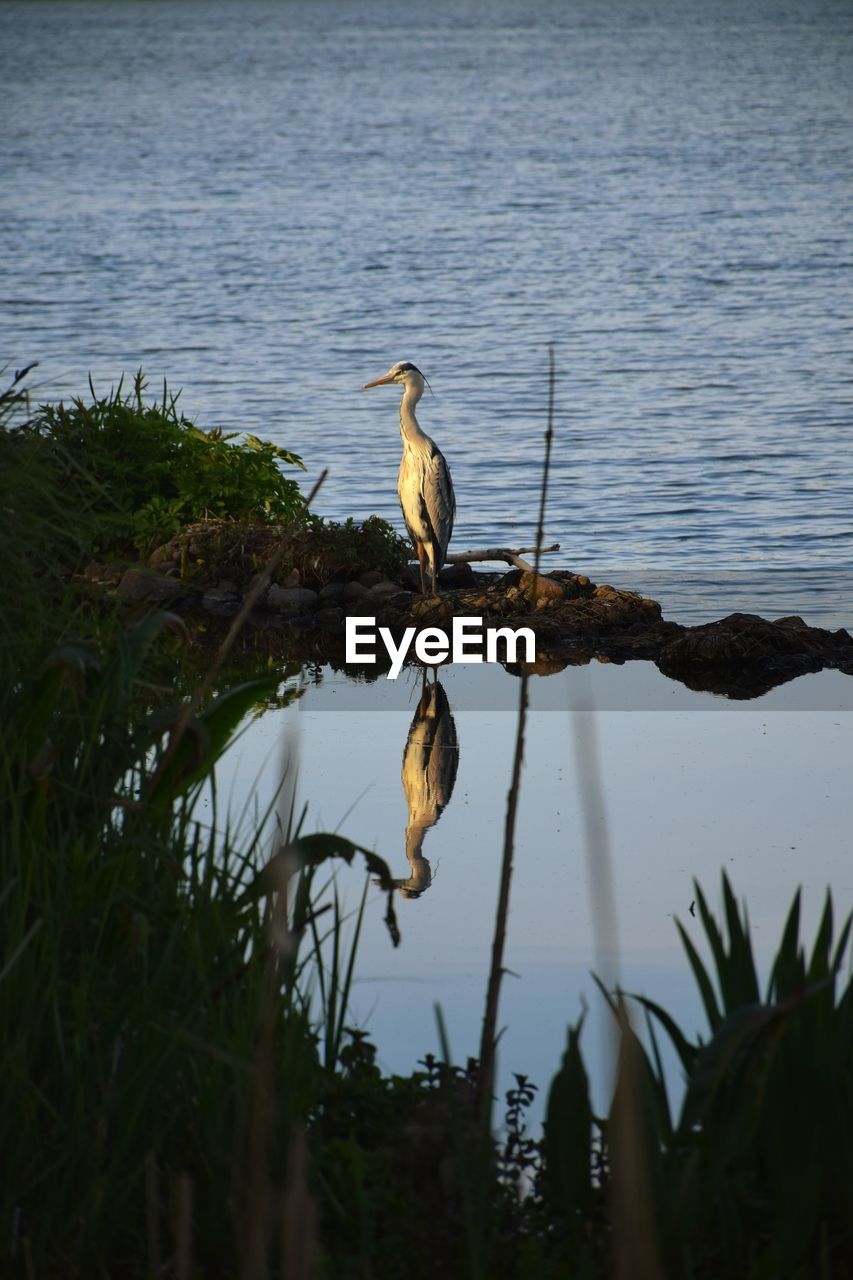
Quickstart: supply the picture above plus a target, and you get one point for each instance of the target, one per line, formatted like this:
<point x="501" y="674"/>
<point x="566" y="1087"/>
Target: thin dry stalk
<point x="297" y="1214"/>
<point x="183" y="1227"/>
<point x="636" y="1253"/>
<point x="596" y="843"/>
<point x="206" y="683"/>
<point x="262" y="1117"/>
<point x="488" y="1040"/>
<point x="152" y="1215"/>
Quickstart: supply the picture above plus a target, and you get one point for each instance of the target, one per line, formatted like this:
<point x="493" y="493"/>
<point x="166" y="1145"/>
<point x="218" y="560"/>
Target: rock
<point x="431" y="610"/>
<point x="743" y="655"/>
<point x="145" y="584"/>
<point x="332" y="593"/>
<point x="168" y="553"/>
<point x="354" y="591"/>
<point x="110" y="573"/>
<point x="292" y="600"/>
<point x="371" y="578"/>
<point x="792" y="620"/>
<point x="222" y="604"/>
<point x="254" y="580"/>
<point x="545" y="665"/>
<point x="330" y="619"/>
<point x="454" y="576"/>
<point x="292" y="580"/>
<point x="227" y="587"/>
<point x="609" y="594"/>
<point x="568" y="581"/>
<point x="533" y="586"/>
<point x="747" y="638"/>
<point x="384" y="588"/>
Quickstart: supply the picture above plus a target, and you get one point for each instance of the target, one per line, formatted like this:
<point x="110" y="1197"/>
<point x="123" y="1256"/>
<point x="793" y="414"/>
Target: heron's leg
<point x="433" y="570"/>
<point x="421" y="550"/>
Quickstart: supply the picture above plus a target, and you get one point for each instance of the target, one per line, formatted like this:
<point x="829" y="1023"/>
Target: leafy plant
<point x="754" y="1176"/>
<point x="145" y="470"/>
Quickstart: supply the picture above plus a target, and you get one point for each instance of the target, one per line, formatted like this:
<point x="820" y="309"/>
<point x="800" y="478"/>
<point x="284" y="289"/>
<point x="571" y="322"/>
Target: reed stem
<point x="488" y="1040"/>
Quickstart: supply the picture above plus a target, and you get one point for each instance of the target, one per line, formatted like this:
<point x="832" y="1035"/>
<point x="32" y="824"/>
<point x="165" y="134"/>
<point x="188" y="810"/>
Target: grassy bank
<point x="182" y="1092"/>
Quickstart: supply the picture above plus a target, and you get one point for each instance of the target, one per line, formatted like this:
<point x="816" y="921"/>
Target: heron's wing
<point x="404" y="495"/>
<point x="439" y="499"/>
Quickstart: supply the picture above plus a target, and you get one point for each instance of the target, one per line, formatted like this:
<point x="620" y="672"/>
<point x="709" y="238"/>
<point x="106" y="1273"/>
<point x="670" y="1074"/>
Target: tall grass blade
<point x="706" y="989"/>
<point x="788" y="972"/>
<point x="568" y="1134"/>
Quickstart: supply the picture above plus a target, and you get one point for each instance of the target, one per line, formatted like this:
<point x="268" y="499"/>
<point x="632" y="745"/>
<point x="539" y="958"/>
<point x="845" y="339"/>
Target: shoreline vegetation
<point x="183" y="1094"/>
<point x="172" y="517"/>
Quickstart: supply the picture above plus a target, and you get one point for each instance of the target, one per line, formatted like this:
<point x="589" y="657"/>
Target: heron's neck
<point x="415" y="833"/>
<point x="409" y="429"/>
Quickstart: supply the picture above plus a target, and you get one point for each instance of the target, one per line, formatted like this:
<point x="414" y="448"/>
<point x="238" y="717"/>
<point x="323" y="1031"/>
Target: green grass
<point x="143" y="471"/>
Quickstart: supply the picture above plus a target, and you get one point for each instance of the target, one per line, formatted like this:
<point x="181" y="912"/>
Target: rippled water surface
<point x="268" y="203"/>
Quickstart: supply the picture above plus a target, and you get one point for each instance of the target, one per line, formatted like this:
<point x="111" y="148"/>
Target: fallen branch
<point x="499" y="553"/>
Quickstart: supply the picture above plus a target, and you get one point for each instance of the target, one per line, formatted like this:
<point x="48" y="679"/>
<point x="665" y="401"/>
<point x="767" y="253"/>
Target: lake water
<point x="268" y="203"/>
<point x="689" y="784"/>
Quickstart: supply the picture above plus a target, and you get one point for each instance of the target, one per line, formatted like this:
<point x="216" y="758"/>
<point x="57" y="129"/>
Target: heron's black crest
<point x="409" y="368"/>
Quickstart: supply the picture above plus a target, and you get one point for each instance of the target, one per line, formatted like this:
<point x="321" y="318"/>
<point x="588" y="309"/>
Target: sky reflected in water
<point x="760" y="789"/>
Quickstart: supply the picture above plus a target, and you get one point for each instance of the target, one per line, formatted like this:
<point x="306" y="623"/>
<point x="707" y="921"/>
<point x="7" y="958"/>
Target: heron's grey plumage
<point x="423" y="483"/>
<point x="430" y="764"/>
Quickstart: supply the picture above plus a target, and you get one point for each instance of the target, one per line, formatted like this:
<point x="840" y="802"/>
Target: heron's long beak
<point x="377" y="382"/>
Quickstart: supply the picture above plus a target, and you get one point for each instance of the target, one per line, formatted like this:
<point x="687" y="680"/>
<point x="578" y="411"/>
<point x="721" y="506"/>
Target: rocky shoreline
<point x="575" y="620"/>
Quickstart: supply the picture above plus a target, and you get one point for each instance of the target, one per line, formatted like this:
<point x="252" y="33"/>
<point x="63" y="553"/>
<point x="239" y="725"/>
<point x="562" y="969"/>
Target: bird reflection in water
<point x="430" y="762"/>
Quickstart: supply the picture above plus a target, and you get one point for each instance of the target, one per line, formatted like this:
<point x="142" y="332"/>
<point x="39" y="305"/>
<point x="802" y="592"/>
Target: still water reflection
<point x="760" y="789"/>
<point x="430" y="763"/>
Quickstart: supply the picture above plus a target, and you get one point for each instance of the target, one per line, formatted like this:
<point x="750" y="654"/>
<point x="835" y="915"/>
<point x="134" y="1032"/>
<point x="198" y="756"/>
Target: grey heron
<point x="430" y="762"/>
<point x="423" y="483"/>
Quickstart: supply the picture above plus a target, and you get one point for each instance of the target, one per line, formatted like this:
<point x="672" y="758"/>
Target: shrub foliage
<point x="145" y="471"/>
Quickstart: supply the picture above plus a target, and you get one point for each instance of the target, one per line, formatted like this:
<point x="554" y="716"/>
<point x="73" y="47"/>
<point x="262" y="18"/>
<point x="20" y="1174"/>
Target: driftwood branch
<point x="500" y="553"/>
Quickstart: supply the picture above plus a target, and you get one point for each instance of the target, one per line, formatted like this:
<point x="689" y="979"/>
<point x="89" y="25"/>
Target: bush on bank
<point x="144" y="471"/>
<point x="119" y="476"/>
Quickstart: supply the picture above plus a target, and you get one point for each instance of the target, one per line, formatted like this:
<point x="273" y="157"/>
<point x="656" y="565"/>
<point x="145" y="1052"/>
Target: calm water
<point x="689" y="784"/>
<point x="268" y="203"/>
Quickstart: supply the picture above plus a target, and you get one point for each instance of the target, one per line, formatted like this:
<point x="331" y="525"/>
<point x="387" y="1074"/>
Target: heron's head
<point x="404" y="373"/>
